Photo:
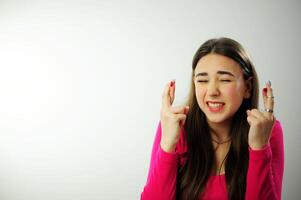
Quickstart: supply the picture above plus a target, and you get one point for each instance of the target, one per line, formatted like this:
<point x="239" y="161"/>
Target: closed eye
<point x="202" y="81"/>
<point x="225" y="80"/>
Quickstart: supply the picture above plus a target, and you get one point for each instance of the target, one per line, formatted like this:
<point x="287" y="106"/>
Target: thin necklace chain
<point x="223" y="142"/>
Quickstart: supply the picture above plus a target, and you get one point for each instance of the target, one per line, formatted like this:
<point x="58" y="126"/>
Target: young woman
<point x="219" y="145"/>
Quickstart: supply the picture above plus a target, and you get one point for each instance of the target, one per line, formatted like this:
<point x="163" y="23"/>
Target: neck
<point x="220" y="132"/>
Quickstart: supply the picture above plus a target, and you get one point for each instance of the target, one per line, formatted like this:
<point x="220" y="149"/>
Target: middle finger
<point x="268" y="97"/>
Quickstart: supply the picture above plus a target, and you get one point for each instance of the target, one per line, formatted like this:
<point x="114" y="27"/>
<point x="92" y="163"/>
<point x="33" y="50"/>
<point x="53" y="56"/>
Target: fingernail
<point x="172" y="83"/>
<point x="269" y="83"/>
<point x="265" y="90"/>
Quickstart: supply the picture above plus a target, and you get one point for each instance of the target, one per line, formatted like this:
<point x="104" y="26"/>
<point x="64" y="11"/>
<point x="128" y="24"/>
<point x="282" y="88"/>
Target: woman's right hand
<point x="172" y="119"/>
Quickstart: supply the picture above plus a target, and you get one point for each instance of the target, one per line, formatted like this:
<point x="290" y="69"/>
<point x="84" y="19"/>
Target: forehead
<point x="212" y="63"/>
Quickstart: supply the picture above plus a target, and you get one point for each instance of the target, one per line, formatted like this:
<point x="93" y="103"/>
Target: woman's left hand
<point x="261" y="123"/>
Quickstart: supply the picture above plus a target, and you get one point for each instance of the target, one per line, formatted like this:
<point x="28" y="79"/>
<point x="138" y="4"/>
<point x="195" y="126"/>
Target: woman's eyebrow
<point x="225" y="72"/>
<point x="218" y="72"/>
<point x="201" y="74"/>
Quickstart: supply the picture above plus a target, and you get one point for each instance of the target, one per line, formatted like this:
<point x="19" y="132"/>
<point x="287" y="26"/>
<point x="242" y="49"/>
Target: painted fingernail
<point x="265" y="90"/>
<point x="269" y="83"/>
<point x="172" y="83"/>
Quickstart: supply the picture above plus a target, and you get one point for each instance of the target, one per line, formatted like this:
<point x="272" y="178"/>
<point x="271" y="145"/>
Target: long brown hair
<point x="194" y="174"/>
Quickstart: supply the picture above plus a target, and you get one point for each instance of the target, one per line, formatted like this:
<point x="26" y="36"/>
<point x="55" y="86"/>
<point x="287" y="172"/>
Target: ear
<point x="248" y="89"/>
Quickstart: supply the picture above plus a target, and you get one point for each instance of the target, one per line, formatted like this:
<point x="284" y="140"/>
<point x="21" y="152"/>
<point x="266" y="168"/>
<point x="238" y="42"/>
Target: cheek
<point x="200" y="93"/>
<point x="235" y="93"/>
<point x="230" y="90"/>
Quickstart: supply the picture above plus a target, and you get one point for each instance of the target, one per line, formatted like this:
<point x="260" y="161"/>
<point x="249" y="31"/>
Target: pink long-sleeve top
<point x="264" y="178"/>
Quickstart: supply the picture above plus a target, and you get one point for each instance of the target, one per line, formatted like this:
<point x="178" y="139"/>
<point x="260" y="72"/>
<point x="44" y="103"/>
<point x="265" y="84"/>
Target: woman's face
<point x="219" y="87"/>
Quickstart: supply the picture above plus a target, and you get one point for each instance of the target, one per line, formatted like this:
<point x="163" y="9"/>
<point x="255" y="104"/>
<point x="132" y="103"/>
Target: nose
<point x="213" y="89"/>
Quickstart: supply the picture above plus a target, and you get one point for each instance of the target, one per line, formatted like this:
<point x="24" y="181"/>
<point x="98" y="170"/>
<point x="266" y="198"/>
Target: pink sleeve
<point x="265" y="173"/>
<point x="162" y="174"/>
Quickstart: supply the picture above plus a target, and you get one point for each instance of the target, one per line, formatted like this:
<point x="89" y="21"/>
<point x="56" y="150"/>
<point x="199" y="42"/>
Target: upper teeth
<point x="215" y="105"/>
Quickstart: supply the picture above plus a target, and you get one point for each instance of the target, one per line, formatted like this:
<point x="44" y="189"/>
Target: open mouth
<point x="215" y="106"/>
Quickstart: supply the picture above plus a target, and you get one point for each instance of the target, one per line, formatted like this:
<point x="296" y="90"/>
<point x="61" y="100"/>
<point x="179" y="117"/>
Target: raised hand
<point x="261" y="123"/>
<point x="172" y="118"/>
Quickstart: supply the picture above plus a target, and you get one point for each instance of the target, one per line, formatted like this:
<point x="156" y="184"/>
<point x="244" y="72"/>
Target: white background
<point x="81" y="84"/>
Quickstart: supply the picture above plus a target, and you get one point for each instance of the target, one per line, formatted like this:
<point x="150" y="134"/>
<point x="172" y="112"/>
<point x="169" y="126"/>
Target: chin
<point x="215" y="120"/>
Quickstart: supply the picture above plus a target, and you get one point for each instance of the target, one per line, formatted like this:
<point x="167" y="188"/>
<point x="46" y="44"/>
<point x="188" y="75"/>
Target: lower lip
<point x="215" y="110"/>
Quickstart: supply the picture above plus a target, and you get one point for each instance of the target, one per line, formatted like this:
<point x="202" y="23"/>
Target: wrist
<point x="258" y="146"/>
<point x="169" y="148"/>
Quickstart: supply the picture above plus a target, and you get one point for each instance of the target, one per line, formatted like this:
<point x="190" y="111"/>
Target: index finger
<point x="166" y="99"/>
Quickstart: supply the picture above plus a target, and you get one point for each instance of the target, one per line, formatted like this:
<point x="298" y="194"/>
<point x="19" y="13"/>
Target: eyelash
<point x="204" y="81"/>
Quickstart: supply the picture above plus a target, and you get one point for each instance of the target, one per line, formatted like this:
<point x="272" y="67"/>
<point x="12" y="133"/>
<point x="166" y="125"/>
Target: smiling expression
<point x="219" y="87"/>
